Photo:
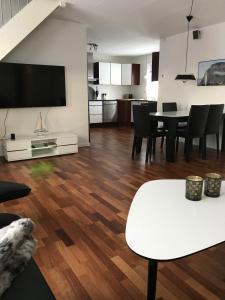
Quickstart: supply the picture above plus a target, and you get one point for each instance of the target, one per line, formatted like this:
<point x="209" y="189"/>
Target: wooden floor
<point x="80" y="210"/>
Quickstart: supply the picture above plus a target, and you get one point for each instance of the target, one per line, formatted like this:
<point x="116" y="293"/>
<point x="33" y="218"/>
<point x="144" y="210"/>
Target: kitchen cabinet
<point x="110" y="111"/>
<point x="102" y="72"/>
<point x="135" y="78"/>
<point x="95" y="112"/>
<point x="124" y="116"/>
<point x="115" y="74"/>
<point x="126" y="74"/>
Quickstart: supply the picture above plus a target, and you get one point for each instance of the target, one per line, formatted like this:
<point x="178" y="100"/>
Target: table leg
<point x="152" y="279"/>
<point x="170" y="139"/>
<point x="223" y="137"/>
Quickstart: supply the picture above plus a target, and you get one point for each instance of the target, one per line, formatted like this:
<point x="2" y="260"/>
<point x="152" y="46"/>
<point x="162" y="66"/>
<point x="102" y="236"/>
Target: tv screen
<point x="24" y="85"/>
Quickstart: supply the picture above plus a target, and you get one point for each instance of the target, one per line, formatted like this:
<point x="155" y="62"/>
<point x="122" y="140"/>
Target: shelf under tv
<point x="29" y="147"/>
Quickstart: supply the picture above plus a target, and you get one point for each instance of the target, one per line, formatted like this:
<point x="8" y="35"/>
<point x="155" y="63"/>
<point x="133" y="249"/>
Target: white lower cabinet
<point x="95" y="111"/>
<point x="95" y="119"/>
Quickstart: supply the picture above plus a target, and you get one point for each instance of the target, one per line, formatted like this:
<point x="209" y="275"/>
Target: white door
<point x="115" y="74"/>
<point x="126" y="74"/>
<point x="104" y="73"/>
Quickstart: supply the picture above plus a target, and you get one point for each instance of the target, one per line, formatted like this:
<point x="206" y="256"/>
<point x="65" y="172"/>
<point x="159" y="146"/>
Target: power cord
<point x="46" y="116"/>
<point x="4" y="124"/>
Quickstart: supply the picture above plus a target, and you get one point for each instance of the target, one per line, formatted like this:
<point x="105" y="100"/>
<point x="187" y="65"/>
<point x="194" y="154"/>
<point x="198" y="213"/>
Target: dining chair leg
<point x="204" y="147"/>
<point x="134" y="146"/>
<point x="162" y="142"/>
<point x="188" y="142"/>
<point x="191" y="146"/>
<point x="147" y="150"/>
<point x="218" y="144"/>
<point x="177" y="144"/>
<point x="200" y="145"/>
<point x="138" y="144"/>
<point x="185" y="146"/>
<point x="153" y="146"/>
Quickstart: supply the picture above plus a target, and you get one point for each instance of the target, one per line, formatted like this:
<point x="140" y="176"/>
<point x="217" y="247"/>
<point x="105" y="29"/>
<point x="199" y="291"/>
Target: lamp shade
<point x="185" y="77"/>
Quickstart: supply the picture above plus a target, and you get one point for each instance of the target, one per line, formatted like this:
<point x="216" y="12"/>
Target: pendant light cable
<point x="191" y="7"/>
<point x="189" y="18"/>
<point x="185" y="76"/>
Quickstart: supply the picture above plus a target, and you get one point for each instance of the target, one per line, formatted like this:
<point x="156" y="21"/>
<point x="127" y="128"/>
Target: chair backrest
<point x="141" y="120"/>
<point x="152" y="106"/>
<point x="197" y="120"/>
<point x="214" y="118"/>
<point x="169" y="106"/>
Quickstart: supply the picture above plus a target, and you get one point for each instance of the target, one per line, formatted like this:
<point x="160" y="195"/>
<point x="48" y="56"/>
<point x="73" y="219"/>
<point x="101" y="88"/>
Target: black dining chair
<point x="167" y="107"/>
<point x="143" y="128"/>
<point x="152" y="106"/>
<point x="213" y="125"/>
<point x="196" y="127"/>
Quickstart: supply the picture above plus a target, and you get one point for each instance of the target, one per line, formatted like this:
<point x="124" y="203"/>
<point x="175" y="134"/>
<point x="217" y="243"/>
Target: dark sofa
<point x="30" y="284"/>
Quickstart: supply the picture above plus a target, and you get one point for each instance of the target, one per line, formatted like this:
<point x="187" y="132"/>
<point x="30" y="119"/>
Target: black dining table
<point x="171" y="119"/>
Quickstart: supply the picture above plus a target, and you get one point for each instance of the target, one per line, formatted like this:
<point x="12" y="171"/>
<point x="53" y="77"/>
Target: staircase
<point x="19" y="18"/>
<point x="9" y="8"/>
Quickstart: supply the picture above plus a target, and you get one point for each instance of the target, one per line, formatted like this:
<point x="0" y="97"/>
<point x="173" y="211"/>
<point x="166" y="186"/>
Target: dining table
<point x="171" y="119"/>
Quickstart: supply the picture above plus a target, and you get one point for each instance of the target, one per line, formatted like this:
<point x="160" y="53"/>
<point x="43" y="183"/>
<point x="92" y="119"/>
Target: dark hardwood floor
<point x="80" y="209"/>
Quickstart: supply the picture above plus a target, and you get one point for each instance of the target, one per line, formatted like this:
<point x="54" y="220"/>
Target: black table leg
<point x="170" y="140"/>
<point x="152" y="279"/>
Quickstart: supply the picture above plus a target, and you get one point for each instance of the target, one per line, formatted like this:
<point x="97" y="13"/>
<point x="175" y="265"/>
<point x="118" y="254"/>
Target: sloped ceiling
<point x="134" y="27"/>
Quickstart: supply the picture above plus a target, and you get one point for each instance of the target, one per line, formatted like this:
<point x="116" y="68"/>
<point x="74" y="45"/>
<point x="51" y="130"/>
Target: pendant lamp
<point x="187" y="76"/>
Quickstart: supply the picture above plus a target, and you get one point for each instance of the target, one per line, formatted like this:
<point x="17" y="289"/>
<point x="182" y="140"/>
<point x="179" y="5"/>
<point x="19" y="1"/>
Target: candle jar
<point x="194" y="185"/>
<point x="212" y="184"/>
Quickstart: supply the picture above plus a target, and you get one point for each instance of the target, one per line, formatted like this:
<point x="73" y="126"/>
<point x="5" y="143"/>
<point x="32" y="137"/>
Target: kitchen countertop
<point x="119" y="100"/>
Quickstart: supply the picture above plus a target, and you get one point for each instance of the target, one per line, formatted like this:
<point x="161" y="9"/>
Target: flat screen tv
<point x="25" y="85"/>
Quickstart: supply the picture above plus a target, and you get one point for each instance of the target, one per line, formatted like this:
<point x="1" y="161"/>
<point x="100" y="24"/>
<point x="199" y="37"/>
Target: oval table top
<point x="163" y="225"/>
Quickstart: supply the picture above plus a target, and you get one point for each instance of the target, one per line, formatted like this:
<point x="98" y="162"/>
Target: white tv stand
<point x="29" y="147"/>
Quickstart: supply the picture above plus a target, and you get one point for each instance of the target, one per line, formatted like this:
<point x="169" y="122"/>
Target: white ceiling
<point x="134" y="27"/>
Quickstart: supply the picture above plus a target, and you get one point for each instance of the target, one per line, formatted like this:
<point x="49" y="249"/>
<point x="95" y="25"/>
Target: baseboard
<point x="109" y="124"/>
<point x="84" y="145"/>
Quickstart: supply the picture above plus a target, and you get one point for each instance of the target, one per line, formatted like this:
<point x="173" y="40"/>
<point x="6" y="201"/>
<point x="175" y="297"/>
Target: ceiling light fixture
<point x="93" y="47"/>
<point x="187" y="76"/>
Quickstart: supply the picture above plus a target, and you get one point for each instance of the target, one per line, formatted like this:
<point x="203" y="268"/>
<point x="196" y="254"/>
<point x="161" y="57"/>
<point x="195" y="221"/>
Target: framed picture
<point x="211" y="73"/>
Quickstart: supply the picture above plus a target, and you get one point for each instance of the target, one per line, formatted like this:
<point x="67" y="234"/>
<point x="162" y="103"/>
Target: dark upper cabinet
<point x="96" y="72"/>
<point x="135" y="76"/>
<point x="155" y="66"/>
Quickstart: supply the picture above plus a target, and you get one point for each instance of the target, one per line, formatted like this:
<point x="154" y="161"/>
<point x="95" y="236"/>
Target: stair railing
<point x="9" y="8"/>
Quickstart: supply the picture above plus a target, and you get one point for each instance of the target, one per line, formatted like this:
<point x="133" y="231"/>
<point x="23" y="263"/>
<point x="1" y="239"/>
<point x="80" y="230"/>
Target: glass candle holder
<point x="212" y="184"/>
<point x="194" y="185"/>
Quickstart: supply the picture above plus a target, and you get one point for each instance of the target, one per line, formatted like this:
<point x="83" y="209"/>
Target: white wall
<point x="172" y="59"/>
<point x="55" y="42"/>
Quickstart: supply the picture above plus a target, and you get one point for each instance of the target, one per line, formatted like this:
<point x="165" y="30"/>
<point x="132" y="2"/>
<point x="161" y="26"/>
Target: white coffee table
<point x="163" y="225"/>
